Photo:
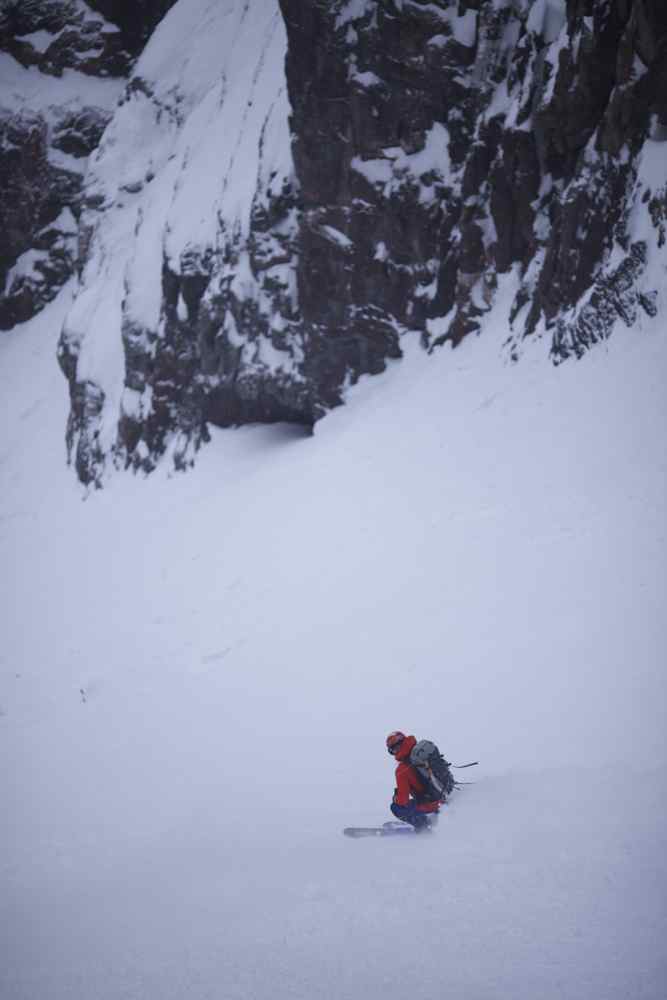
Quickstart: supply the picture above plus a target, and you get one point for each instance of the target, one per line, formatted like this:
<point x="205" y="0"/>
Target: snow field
<point x="197" y="674"/>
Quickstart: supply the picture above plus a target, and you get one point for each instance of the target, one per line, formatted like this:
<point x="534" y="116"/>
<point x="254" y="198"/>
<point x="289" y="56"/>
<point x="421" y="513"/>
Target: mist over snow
<point x="198" y="672"/>
<point x="235" y="212"/>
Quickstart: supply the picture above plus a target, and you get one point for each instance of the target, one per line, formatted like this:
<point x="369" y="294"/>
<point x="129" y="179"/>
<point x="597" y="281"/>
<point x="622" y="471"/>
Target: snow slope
<point x="198" y="673"/>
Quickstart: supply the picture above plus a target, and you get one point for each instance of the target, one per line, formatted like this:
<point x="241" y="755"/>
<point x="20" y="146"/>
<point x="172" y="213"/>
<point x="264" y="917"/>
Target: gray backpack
<point x="433" y="770"/>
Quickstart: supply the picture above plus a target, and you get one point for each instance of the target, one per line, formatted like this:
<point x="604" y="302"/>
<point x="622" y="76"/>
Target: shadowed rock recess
<point x="288" y="187"/>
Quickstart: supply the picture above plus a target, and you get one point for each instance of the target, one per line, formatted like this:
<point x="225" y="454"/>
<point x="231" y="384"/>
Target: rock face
<point x="452" y="143"/>
<point x="289" y="187"/>
<point x="62" y="69"/>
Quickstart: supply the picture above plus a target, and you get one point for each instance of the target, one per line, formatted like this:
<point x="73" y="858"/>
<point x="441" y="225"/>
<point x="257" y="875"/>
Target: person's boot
<point x="421" y="824"/>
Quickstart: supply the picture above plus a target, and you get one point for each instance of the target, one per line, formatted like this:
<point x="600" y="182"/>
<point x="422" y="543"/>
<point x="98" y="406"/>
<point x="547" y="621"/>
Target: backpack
<point x="433" y="771"/>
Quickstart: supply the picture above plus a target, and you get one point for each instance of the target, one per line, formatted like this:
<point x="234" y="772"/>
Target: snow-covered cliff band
<point x="264" y="203"/>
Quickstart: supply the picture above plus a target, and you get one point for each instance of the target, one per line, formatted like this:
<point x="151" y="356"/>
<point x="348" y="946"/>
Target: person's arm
<point x="402" y="792"/>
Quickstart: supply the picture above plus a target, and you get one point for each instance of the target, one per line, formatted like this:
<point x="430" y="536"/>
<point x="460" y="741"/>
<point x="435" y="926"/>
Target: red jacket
<point x="408" y="782"/>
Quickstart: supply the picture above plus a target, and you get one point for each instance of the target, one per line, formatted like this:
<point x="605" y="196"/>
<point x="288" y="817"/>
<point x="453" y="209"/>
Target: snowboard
<point x="388" y="829"/>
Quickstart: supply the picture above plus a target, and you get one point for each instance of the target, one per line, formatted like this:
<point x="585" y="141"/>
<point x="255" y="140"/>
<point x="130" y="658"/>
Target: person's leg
<point x="410" y="815"/>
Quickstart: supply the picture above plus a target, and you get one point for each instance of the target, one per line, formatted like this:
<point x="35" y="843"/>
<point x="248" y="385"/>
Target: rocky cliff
<point x="63" y="64"/>
<point x="287" y="188"/>
<point x="451" y="143"/>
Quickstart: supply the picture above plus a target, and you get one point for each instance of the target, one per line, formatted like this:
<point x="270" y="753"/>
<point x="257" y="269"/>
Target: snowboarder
<point x="411" y="802"/>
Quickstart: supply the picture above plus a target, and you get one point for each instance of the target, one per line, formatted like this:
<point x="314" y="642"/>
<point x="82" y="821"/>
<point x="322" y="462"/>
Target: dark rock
<point x="80" y="39"/>
<point x="38" y="211"/>
<point x="136" y="19"/>
<point x="86" y="404"/>
<point x="37" y="255"/>
<point x="525" y="185"/>
<point x="78" y="132"/>
<point x="614" y="295"/>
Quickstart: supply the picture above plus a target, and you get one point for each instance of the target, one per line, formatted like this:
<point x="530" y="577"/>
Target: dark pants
<point x="409" y="814"/>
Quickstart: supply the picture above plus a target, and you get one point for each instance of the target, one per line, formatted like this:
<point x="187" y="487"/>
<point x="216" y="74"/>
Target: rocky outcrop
<point x="96" y="37"/>
<point x="57" y="35"/>
<point x="278" y="201"/>
<point x="41" y="165"/>
<point x="601" y="137"/>
<point x="62" y="68"/>
<point x="451" y="143"/>
<point x="187" y="312"/>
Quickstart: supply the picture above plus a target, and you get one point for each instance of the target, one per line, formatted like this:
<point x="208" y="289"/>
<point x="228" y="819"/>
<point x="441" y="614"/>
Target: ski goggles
<point x="395" y="747"/>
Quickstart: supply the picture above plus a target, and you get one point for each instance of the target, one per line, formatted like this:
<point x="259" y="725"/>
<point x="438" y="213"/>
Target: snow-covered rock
<point x="187" y="310"/>
<point x="495" y="137"/>
<point x="63" y="66"/>
<point x="289" y="187"/>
